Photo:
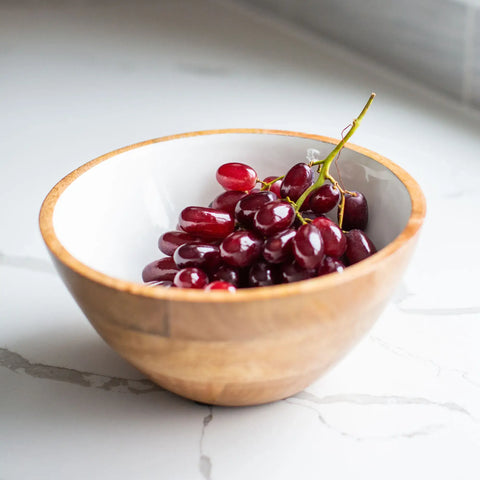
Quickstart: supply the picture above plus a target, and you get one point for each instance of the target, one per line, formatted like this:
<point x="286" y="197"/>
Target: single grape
<point x="206" y="222"/>
<point x="355" y="213"/>
<point x="219" y="285"/>
<point x="226" y="201"/>
<point x="278" y="247"/>
<point x="296" y="181"/>
<point x="170" y="241"/>
<point x="227" y="273"/>
<point x="273" y="217"/>
<point x="274" y="187"/>
<point x="308" y="246"/>
<point x="236" y="176"/>
<point x="334" y="239"/>
<point x="248" y="206"/>
<point x="200" y="255"/>
<point x="190" y="278"/>
<point x="160" y="270"/>
<point x="262" y="274"/>
<point x="241" y="248"/>
<point x="324" y="198"/>
<point x="292" y="272"/>
<point x="359" y="246"/>
<point x="330" y="265"/>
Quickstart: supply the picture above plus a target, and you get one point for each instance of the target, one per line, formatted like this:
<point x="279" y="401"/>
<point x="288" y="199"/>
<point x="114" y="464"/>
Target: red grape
<point x="278" y="248"/>
<point x="206" y="222"/>
<point x="293" y="272"/>
<point x="219" y="285"/>
<point x="236" y="176"/>
<point x="262" y="274"/>
<point x="359" y="246"/>
<point x="274" y="187"/>
<point x="248" y="206"/>
<point x="200" y="255"/>
<point x="273" y="217"/>
<point x="228" y="274"/>
<point x="355" y="213"/>
<point x="308" y="246"/>
<point x="330" y="265"/>
<point x="240" y="248"/>
<point x="296" y="181"/>
<point x="226" y="201"/>
<point x="323" y="199"/>
<point x="170" y="241"/>
<point x="190" y="278"/>
<point x="159" y="270"/>
<point x="334" y="239"/>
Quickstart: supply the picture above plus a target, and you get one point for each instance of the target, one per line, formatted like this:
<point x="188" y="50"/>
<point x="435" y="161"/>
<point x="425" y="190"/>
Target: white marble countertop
<point x="79" y="79"/>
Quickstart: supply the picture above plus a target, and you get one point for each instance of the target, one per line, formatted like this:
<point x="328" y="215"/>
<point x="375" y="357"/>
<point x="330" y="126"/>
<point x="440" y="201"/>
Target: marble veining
<point x="429" y="429"/>
<point x="205" y="462"/>
<point x="17" y="363"/>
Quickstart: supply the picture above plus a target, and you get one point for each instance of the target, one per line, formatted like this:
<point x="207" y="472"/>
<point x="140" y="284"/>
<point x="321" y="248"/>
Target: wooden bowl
<point x="101" y="224"/>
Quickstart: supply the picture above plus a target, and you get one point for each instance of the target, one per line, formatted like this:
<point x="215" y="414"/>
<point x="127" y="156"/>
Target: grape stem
<point x="267" y="185"/>
<point x="324" y="165"/>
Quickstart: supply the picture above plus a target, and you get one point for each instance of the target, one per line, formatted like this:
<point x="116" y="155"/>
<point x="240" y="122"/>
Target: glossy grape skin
<point x="160" y="270"/>
<point x="278" y="248"/>
<point x="249" y="205"/>
<point x="330" y="265"/>
<point x="220" y="285"/>
<point x="355" y="213"/>
<point x="227" y="273"/>
<point x="226" y="201"/>
<point x="296" y="181"/>
<point x="190" y="278"/>
<point x="324" y="198"/>
<point x="334" y="239"/>
<point x="262" y="274"/>
<point x="292" y="272"/>
<point x="236" y="176"/>
<point x="170" y="241"/>
<point x="274" y="187"/>
<point x="241" y="248"/>
<point x="273" y="217"/>
<point x="206" y="222"/>
<point x="200" y="255"/>
<point x="359" y="246"/>
<point x="308" y="246"/>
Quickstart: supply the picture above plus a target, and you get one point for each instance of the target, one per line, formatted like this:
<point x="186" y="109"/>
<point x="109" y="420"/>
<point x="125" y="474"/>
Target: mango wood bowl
<point x="101" y="224"/>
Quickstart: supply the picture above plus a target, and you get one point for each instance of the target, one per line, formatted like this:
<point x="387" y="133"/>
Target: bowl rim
<point x="57" y="249"/>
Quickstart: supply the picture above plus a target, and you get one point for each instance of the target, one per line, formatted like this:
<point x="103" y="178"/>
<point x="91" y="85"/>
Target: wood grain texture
<point x="256" y="346"/>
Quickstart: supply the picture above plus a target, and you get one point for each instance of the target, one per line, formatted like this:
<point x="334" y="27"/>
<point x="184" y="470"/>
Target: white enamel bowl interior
<point x="110" y="217"/>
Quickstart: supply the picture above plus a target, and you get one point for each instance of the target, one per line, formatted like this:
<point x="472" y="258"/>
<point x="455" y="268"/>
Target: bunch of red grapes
<point x="257" y="233"/>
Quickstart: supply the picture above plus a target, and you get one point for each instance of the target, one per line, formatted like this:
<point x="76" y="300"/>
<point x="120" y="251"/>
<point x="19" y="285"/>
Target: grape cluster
<point x="266" y="232"/>
<point x="258" y="233"/>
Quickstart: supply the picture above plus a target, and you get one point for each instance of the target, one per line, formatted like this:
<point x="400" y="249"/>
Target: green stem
<point x="324" y="168"/>
<point x="267" y="185"/>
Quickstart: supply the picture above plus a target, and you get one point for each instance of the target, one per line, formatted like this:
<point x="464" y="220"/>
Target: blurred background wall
<point x="436" y="42"/>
